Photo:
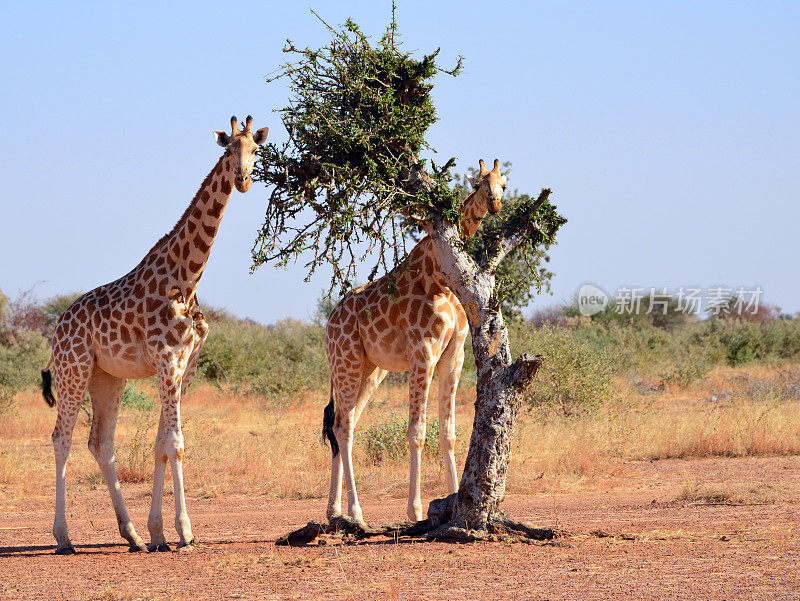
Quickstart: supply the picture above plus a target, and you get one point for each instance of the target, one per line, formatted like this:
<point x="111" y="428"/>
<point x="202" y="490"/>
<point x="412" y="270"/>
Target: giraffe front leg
<point x="155" y="521"/>
<point x="199" y="333"/>
<point x="170" y="373"/>
<point x="420" y="376"/>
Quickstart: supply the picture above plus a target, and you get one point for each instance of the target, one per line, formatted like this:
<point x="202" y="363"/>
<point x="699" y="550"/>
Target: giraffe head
<point x="492" y="184"/>
<point x="241" y="146"/>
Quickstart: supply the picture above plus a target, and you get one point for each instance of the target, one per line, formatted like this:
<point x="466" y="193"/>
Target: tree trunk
<point x="500" y="386"/>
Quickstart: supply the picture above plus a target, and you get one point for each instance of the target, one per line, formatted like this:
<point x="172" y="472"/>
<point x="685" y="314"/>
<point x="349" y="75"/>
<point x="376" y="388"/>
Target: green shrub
<point x="56" y="305"/>
<point x="22" y="358"/>
<point x="686" y="369"/>
<point x="745" y="342"/>
<point x="575" y="376"/>
<point x="389" y="439"/>
<point x="135" y="400"/>
<point x="275" y="362"/>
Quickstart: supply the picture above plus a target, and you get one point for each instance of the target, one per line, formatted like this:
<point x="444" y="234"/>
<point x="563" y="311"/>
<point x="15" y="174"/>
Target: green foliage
<point x="349" y="185"/>
<point x="26" y="313"/>
<point x="745" y="342"/>
<point x="686" y="368"/>
<point x="389" y="439"/>
<point x="275" y="362"/>
<point x="325" y="306"/>
<point x="56" y="305"/>
<point x="575" y="378"/>
<point x="685" y="354"/>
<point x="357" y="120"/>
<point x="135" y="400"/>
<point x="21" y="360"/>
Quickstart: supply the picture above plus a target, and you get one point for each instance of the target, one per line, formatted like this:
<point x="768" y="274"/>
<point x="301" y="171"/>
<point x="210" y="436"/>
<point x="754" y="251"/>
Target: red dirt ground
<point x="658" y="548"/>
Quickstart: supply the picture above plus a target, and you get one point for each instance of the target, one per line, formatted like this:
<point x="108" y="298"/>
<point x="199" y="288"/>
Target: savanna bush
<point x="389" y="440"/>
<point x="745" y="342"/>
<point x="21" y="360"/>
<point x="275" y="362"/>
<point x="575" y="377"/>
<point x="136" y="400"/>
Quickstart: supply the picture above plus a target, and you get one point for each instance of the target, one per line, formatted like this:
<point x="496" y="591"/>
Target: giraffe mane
<point x="468" y="199"/>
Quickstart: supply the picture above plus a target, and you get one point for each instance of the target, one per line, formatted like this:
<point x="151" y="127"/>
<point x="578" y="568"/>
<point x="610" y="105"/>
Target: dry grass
<point x="679" y="423"/>
<point x="700" y="493"/>
<point x="241" y="445"/>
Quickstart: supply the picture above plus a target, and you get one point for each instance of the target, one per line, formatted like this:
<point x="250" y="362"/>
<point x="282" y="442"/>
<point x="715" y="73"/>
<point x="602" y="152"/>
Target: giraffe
<point x="408" y="320"/>
<point x="146" y="323"/>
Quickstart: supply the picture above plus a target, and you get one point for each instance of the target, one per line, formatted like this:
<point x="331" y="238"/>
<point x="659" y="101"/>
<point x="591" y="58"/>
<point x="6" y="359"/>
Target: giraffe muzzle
<point x="242" y="182"/>
<point x="495" y="206"/>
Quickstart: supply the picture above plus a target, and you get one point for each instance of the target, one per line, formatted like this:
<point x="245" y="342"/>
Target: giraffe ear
<point x="261" y="136"/>
<point x="472" y="182"/>
<point x="222" y="138"/>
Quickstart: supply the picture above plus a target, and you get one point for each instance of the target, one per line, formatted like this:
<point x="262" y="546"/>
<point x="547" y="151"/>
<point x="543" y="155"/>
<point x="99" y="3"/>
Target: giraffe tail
<point x="47" y="387"/>
<point x="328" y="418"/>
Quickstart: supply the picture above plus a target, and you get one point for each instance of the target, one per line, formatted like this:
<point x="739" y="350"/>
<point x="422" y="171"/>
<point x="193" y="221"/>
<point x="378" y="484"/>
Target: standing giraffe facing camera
<point x="146" y="323"/>
<point x="416" y="324"/>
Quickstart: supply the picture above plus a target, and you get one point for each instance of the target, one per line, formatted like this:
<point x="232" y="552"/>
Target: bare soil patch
<point x="640" y="537"/>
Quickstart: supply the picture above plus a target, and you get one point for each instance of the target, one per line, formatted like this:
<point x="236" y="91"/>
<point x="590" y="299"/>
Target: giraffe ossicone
<point x="408" y="320"/>
<point x="145" y="323"/>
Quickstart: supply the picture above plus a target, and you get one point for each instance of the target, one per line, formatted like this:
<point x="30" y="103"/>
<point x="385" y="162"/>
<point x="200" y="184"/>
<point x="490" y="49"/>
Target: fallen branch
<point x="340" y="524"/>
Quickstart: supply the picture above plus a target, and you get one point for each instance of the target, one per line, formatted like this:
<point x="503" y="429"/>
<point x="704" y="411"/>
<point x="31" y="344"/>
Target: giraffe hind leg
<point x="449" y="367"/>
<point x="71" y="381"/>
<point x="106" y="391"/>
<point x="341" y="416"/>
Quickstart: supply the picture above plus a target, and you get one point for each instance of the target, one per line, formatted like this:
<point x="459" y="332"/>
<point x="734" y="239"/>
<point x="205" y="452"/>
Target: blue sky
<point x="669" y="133"/>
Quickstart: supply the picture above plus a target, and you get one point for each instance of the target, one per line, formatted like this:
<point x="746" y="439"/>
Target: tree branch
<point x="515" y="232"/>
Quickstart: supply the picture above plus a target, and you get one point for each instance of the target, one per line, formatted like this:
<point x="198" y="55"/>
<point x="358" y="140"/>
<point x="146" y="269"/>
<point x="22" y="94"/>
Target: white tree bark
<point x="499" y="387"/>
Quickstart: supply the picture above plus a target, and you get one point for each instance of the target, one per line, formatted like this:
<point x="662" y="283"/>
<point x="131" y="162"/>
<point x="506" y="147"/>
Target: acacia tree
<point x="345" y="190"/>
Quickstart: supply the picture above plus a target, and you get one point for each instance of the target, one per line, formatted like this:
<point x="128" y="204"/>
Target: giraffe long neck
<point x="473" y="211"/>
<point x="184" y="252"/>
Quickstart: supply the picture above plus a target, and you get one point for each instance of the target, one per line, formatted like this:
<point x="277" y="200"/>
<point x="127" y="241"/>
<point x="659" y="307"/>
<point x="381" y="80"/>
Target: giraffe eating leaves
<point x="406" y="320"/>
<point x="146" y="323"/>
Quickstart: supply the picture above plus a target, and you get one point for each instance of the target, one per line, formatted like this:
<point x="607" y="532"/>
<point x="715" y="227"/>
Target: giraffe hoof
<point x="186" y="547"/>
<point x="137" y="548"/>
<point x="161" y="548"/>
<point x="68" y="550"/>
